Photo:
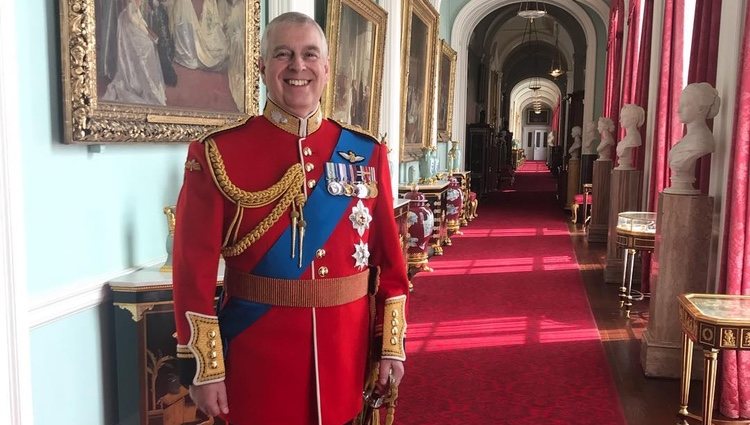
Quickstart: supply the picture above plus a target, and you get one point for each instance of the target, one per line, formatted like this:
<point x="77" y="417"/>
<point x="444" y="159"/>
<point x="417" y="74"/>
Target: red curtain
<point x="637" y="63"/>
<point x="704" y="54"/>
<point x="614" y="61"/>
<point x="668" y="128"/>
<point x="735" y="271"/>
<point x="556" y="123"/>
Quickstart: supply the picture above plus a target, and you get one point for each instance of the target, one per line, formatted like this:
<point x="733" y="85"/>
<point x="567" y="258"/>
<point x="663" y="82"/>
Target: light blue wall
<point x="73" y="380"/>
<point x="87" y="215"/>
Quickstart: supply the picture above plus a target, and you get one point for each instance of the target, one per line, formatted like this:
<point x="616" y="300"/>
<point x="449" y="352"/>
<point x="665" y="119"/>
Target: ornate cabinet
<point x="483" y="158"/>
<point x="148" y="387"/>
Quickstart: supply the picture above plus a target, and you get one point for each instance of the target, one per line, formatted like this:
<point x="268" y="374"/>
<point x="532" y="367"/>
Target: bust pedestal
<point x="599" y="226"/>
<point x="679" y="265"/>
<point x="574" y="181"/>
<point x="625" y="195"/>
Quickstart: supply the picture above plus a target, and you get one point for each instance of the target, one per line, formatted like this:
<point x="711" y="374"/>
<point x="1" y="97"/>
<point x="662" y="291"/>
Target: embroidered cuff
<point x="394" y="328"/>
<point x="205" y="346"/>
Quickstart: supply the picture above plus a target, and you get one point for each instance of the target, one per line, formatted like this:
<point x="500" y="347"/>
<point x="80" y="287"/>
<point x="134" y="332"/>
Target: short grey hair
<point x="291" y="18"/>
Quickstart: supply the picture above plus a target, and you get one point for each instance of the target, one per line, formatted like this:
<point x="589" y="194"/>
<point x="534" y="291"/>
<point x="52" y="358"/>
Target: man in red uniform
<point x="300" y="208"/>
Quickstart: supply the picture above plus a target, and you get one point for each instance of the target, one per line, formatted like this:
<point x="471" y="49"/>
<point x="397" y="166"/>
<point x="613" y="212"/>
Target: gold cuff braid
<point x="394" y="328"/>
<point x="205" y="344"/>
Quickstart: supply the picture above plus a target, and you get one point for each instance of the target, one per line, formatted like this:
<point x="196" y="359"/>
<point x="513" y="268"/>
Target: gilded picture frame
<point x="493" y="98"/>
<point x="139" y="71"/>
<point x="446" y="85"/>
<point x="419" y="40"/>
<point x="356" y="38"/>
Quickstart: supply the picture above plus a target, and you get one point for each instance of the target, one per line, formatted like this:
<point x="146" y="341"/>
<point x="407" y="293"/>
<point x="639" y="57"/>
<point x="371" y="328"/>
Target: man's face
<point x="295" y="69"/>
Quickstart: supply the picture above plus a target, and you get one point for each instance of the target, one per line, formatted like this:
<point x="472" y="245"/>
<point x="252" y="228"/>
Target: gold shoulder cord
<point x="288" y="191"/>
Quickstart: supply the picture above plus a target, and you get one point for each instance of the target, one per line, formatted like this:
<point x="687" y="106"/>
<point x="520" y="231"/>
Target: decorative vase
<point x="425" y="164"/>
<point x="455" y="166"/>
<point x="453" y="206"/>
<point x="434" y="161"/>
<point x="421" y="223"/>
<point x="170" y="213"/>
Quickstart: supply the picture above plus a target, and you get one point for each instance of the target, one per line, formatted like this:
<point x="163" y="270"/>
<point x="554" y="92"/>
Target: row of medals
<point x="351" y="180"/>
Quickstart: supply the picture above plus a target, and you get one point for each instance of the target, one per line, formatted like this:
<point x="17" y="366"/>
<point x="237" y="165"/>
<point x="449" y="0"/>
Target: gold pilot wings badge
<point x="352" y="157"/>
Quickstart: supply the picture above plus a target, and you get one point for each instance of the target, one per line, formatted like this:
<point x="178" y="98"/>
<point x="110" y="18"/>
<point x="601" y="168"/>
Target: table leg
<point x="709" y="383"/>
<point x="624" y="276"/>
<point x="629" y="294"/>
<point x="687" y="365"/>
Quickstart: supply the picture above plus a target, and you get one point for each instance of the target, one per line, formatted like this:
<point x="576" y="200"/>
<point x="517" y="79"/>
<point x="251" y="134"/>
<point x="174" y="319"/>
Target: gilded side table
<point x="400" y="213"/>
<point x="716" y="322"/>
<point x="464" y="179"/>
<point x="636" y="232"/>
<point x="436" y="195"/>
<point x="148" y="387"/>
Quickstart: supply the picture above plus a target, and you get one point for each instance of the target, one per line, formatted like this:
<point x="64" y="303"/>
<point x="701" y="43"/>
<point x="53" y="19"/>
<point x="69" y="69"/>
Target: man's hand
<point x="389" y="368"/>
<point x="211" y="399"/>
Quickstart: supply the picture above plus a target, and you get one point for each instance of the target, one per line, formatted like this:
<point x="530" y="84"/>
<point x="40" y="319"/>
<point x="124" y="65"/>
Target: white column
<point x="277" y="7"/>
<point x="390" y="107"/>
<point x="15" y="376"/>
<point x="730" y="40"/>
<point x="654" y="75"/>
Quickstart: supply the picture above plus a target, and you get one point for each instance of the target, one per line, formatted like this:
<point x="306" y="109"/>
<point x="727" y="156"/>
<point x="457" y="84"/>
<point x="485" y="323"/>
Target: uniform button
<point x="212" y="334"/>
<point x="213" y="354"/>
<point x="307" y="151"/>
<point x="311" y="183"/>
<point x="214" y="364"/>
<point x="394" y="341"/>
<point x="309" y="167"/>
<point x="320" y="253"/>
<point x="322" y="271"/>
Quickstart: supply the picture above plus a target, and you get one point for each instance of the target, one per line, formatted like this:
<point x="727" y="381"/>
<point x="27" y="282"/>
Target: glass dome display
<point x="637" y="223"/>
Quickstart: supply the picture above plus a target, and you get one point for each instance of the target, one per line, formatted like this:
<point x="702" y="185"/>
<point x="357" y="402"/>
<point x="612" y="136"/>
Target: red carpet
<point x="501" y="332"/>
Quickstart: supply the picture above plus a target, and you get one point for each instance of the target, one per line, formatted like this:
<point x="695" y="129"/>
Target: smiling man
<point x="301" y="210"/>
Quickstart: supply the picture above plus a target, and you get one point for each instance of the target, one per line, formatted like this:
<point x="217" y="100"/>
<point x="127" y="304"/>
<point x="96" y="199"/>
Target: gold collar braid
<point x="288" y="191"/>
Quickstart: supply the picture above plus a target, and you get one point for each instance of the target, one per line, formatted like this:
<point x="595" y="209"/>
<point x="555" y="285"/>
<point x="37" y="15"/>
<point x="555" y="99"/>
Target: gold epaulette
<point x="356" y="129"/>
<point x="226" y="127"/>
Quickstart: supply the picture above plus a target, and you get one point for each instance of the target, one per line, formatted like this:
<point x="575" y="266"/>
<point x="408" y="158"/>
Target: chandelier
<point x="531" y="10"/>
<point x="556" y="68"/>
<point x="531" y="37"/>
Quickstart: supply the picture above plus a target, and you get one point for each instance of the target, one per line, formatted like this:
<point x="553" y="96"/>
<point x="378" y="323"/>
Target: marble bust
<point x="698" y="102"/>
<point x="575" y="148"/>
<point x="606" y="127"/>
<point x="589" y="137"/>
<point x="631" y="118"/>
<point x="551" y="138"/>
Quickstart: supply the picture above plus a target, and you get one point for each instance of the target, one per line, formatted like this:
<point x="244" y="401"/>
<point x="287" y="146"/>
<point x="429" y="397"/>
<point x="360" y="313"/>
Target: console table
<point x="148" y="387"/>
<point x="716" y="322"/>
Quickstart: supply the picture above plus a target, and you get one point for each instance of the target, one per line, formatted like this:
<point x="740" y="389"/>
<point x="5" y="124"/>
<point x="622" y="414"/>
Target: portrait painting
<point x="446" y="83"/>
<point x="420" y="36"/>
<point x="157" y="70"/>
<point x="356" y="36"/>
<point x="542" y="118"/>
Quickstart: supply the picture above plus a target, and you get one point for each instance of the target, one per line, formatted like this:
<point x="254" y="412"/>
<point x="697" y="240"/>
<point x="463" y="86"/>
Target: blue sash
<point x="322" y="212"/>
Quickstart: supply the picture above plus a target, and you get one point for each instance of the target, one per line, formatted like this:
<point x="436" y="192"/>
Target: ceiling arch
<point x="472" y="14"/>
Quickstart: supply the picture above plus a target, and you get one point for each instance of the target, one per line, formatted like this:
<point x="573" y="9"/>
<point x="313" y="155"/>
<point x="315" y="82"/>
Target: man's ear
<point x="262" y="69"/>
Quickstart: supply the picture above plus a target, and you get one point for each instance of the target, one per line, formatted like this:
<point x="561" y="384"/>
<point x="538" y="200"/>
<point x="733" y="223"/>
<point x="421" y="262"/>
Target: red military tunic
<point x="284" y="365"/>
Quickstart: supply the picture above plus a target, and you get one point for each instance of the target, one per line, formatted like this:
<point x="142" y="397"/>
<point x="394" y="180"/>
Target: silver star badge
<point x="360" y="217"/>
<point x="361" y="255"/>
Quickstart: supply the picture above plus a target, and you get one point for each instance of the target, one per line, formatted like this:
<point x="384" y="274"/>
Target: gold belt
<point x="297" y="292"/>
